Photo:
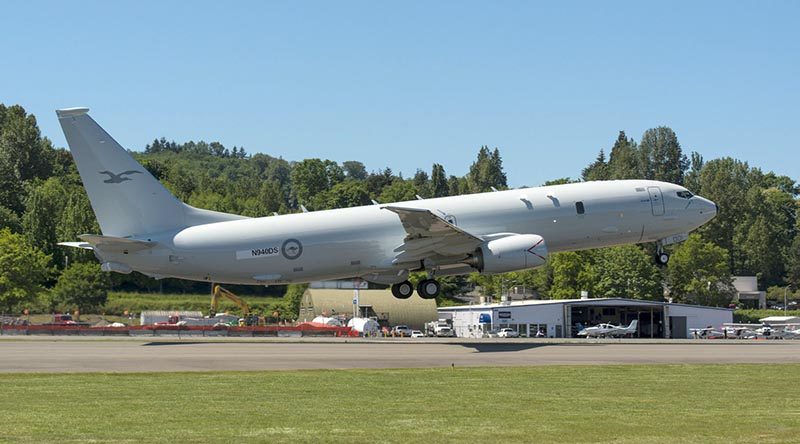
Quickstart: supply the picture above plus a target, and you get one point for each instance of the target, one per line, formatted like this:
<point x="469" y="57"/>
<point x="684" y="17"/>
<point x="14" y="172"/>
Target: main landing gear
<point x="426" y="289"/>
<point x="403" y="290"/>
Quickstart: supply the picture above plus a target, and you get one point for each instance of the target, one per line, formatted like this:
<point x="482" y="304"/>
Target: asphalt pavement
<point x="70" y="354"/>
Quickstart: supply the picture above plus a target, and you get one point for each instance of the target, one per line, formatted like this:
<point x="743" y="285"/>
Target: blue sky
<point x="406" y="84"/>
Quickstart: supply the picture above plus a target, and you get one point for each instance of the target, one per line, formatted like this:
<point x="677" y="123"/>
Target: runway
<point x="167" y="355"/>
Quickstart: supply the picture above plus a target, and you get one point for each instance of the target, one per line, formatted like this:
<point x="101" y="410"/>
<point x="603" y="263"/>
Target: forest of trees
<point x="42" y="202"/>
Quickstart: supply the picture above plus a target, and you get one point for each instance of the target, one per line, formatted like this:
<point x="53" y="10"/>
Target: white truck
<point x="440" y="328"/>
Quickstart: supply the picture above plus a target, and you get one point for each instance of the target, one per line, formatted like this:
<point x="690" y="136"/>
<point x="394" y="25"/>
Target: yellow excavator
<point x="219" y="292"/>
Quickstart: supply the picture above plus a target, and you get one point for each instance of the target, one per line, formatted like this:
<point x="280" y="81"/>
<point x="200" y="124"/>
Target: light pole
<point x="785" y="306"/>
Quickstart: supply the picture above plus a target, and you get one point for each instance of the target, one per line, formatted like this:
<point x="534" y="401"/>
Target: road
<point x="163" y="355"/>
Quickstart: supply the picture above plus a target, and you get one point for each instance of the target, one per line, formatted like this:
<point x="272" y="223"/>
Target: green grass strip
<point x="591" y="404"/>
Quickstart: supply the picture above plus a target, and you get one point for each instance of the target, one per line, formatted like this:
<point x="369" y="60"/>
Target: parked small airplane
<point x="737" y="332"/>
<point x="707" y="333"/>
<point x="147" y="229"/>
<point x="790" y="333"/>
<point x="609" y="330"/>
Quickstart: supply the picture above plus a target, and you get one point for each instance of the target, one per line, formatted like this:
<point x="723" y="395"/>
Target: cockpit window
<point x="685" y="194"/>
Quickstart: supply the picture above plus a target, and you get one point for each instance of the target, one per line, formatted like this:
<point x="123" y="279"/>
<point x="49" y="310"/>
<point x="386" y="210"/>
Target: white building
<point x="565" y="317"/>
<point x="747" y="293"/>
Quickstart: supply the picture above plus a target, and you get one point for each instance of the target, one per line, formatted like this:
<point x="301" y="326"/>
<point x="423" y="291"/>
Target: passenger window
<point x="579" y="207"/>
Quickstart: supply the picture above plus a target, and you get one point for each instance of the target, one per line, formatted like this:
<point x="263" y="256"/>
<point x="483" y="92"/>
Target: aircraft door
<point x="656" y="201"/>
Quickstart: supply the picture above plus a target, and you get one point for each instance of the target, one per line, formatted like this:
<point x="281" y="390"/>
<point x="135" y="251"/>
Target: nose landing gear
<point x="662" y="257"/>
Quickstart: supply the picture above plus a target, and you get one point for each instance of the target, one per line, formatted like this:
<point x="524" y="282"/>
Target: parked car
<point x="417" y="334"/>
<point x="401" y="330"/>
<point x="507" y="333"/>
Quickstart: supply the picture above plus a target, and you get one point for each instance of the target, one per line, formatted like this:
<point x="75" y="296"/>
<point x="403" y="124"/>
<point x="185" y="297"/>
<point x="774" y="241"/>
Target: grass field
<point x="682" y="403"/>
<point x="118" y="302"/>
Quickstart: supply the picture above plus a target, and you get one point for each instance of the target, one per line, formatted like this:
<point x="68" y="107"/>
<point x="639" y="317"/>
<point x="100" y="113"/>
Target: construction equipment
<point x="247" y="318"/>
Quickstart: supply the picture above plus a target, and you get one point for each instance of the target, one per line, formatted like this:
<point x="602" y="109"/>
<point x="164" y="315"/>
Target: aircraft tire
<point x="428" y="288"/>
<point x="662" y="259"/>
<point x="403" y="290"/>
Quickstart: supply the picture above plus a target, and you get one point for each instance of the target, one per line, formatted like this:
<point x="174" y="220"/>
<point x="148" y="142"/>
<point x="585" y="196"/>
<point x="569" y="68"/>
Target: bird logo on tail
<point x="117" y="178"/>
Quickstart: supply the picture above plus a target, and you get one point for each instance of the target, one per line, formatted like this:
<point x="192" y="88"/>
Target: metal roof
<point x="590" y="301"/>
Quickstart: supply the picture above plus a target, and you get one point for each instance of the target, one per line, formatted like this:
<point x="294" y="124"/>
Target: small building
<point x="565" y="317"/>
<point x="747" y="293"/>
<point x="379" y="305"/>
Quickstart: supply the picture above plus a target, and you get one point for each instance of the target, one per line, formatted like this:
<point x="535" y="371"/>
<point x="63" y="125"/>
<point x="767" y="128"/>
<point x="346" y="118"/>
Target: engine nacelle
<point x="510" y="253"/>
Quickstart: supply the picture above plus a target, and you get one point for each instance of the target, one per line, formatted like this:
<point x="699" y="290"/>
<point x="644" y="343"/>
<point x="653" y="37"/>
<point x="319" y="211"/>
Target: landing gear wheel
<point x="428" y="288"/>
<point x="403" y="290"/>
<point x="662" y="258"/>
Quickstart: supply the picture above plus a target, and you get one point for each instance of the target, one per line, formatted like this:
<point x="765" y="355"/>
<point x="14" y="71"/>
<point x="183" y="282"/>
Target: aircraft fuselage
<point x="361" y="241"/>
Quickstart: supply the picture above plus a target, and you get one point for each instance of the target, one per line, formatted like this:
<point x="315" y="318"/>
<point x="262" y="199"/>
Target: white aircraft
<point x="737" y="332"/>
<point x="707" y="333"/>
<point x="146" y="229"/>
<point x="790" y="333"/>
<point x="609" y="330"/>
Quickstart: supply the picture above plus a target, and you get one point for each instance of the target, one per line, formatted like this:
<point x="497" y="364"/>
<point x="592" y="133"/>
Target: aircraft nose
<point x="708" y="208"/>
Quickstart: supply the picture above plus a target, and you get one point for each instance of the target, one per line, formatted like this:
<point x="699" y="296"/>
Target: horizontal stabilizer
<point x="112" y="243"/>
<point x="84" y="245"/>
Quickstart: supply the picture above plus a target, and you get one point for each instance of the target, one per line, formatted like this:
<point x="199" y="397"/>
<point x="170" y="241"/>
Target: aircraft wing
<point x="428" y="235"/>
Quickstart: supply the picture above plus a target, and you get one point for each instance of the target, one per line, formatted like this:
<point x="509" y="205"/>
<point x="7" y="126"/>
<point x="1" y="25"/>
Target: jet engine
<point x="510" y="253"/>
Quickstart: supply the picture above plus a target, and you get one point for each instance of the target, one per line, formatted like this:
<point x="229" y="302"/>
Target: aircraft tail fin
<point x="127" y="200"/>
<point x="634" y="324"/>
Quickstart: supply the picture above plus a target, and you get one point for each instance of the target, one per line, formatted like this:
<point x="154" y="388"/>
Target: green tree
<point x="439" y="187"/>
<point x="726" y="182"/>
<point x="698" y="273"/>
<point x="24" y="156"/>
<point x="623" y="161"/>
<point x="82" y="286"/>
<point x="22" y="147"/>
<point x="42" y="213"/>
<point x="398" y="191"/>
<point x="309" y="178"/>
<point x="662" y="157"/>
<point x="354" y="170"/>
<point x="627" y="272"/>
<point x="422" y="183"/>
<point x="343" y="195"/>
<point x="376" y="182"/>
<point x="560" y="181"/>
<point x="793" y="263"/>
<point x="457" y="186"/>
<point x="10" y="220"/>
<point x="23" y="271"/>
<point x="573" y="272"/>
<point x="12" y="192"/>
<point x="767" y="231"/>
<point x="487" y="171"/>
<point x="691" y="180"/>
<point x="598" y="170"/>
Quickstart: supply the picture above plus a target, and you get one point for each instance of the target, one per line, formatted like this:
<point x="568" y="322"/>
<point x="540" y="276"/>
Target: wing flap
<point x="428" y="235"/>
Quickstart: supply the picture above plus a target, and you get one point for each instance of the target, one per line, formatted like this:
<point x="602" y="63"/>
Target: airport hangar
<point x="339" y="299"/>
<point x="564" y="317"/>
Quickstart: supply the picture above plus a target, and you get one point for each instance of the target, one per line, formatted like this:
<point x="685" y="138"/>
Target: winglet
<point x="71" y="112"/>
